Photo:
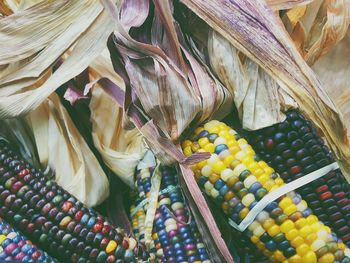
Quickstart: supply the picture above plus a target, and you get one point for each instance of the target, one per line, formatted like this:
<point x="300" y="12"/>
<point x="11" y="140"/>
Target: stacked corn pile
<point x="236" y="179"/>
<point x="294" y="149"/>
<point x="15" y="247"/>
<point x="175" y="234"/>
<point x="54" y="219"/>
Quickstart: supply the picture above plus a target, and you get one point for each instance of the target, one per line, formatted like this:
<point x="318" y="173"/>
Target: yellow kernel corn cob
<point x="286" y="230"/>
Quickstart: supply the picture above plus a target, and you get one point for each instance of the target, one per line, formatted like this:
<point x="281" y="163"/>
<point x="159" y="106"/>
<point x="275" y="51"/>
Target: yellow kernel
<point x="268" y="223"/>
<point x="210" y="147"/>
<point x="287" y="226"/>
<point x="234" y="149"/>
<point x="203" y="141"/>
<point x="341" y="245"/>
<point x="243" y="213"/>
<point x="258" y="172"/>
<point x="279" y="256"/>
<point x="2" y="238"/>
<point x="254" y="239"/>
<point x="279" y="181"/>
<point x="260" y="245"/>
<point x="263" y="179"/>
<point x="112" y="245"/>
<point x="285" y="202"/>
<point x="303" y="249"/>
<point x="291" y="234"/>
<point x="228" y="160"/>
<point x="290" y="209"/>
<point x="269" y="170"/>
<point x="310" y="257"/>
<point x="311" y="238"/>
<point x="269" y="184"/>
<point x="274" y="230"/>
<point x="311" y="219"/>
<point x="297" y="241"/>
<point x="305" y="231"/>
<point x="328" y="229"/>
<point x="250" y="152"/>
<point x="214" y="129"/>
<point x="234" y="163"/>
<point x="263" y="164"/>
<point x="187" y="151"/>
<point x="247" y="160"/>
<point x="300" y="223"/>
<point x="316" y="226"/>
<point x="201" y="164"/>
<point x="295" y="259"/>
<point x="186" y="143"/>
<point x="327" y="258"/>
<point x="218" y="167"/>
<point x="253" y="166"/>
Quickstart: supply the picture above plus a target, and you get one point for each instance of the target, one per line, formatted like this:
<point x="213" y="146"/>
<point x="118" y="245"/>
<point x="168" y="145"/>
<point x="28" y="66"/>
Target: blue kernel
<point x="180" y="259"/>
<point x="177" y="246"/>
<point x="238" y="207"/>
<point x="202" y="134"/>
<point x="84" y="219"/>
<point x="271" y="206"/>
<point x="179" y="252"/>
<point x="219" y="148"/>
<point x="91" y="222"/>
<point x="223" y="190"/>
<point x="25" y="248"/>
<point x="254" y="187"/>
<point x="3" y="255"/>
<point x="270" y="245"/>
<point x="16" y="251"/>
<point x="219" y="183"/>
<point x="235" y="217"/>
<point x="283" y="245"/>
<point x="254" y="203"/>
<point x="6" y="242"/>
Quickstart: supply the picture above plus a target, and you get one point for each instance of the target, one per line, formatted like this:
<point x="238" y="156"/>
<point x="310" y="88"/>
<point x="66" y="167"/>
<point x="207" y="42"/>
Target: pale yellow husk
<point x="39" y="36"/>
<point x="121" y="149"/>
<point x="61" y="147"/>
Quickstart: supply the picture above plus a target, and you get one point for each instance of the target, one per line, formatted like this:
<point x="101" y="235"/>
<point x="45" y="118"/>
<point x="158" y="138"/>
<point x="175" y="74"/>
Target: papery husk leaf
<point x="286" y="4"/>
<point x="253" y="28"/>
<point x="334" y="29"/>
<point x="63" y="149"/>
<point x="18" y="5"/>
<point x="89" y="45"/>
<point x="318" y="28"/>
<point x="120" y="149"/>
<point x="30" y="30"/>
<point x="5" y="9"/>
<point x="333" y="70"/>
<point x="256" y="95"/>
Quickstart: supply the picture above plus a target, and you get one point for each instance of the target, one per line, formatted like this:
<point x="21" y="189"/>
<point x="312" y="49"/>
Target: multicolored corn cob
<point x="55" y="220"/>
<point x="294" y="149"/>
<point x="286" y="230"/>
<point x="15" y="247"/>
<point x="175" y="234"/>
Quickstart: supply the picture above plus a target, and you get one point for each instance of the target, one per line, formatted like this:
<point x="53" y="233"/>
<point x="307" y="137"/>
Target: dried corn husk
<point x="39" y="36"/>
<point x="257" y="97"/>
<point x="61" y="148"/>
<point x="333" y="70"/>
<point x="252" y="27"/>
<point x="318" y="27"/>
<point x="16" y="5"/>
<point x="121" y="149"/>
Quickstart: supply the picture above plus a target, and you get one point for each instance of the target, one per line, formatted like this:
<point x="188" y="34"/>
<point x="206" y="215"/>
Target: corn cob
<point x="286" y="230"/>
<point x="15" y="247"/>
<point x="55" y="220"/>
<point x="175" y="234"/>
<point x="294" y="149"/>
